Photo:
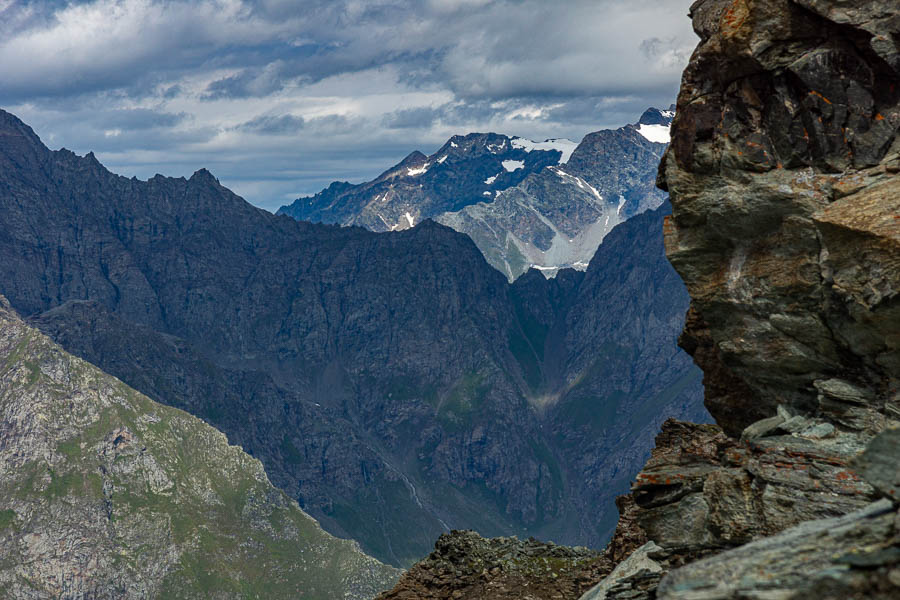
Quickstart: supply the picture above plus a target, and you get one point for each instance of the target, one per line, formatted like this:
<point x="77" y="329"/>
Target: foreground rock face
<point x="782" y="172"/>
<point x="106" y="494"/>
<point x="786" y="229"/>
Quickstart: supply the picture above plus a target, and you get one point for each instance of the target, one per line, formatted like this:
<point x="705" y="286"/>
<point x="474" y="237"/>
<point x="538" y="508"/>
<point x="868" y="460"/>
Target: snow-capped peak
<point x="418" y="170"/>
<point x="655" y="133"/>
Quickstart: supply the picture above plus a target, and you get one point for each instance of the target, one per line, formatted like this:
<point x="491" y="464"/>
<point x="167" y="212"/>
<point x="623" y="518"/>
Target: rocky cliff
<point x="784" y="177"/>
<point x="786" y="199"/>
<point x="394" y="384"/>
<point x="106" y="494"/>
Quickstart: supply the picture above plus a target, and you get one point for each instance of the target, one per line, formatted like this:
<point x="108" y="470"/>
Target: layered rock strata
<point x="783" y="177"/>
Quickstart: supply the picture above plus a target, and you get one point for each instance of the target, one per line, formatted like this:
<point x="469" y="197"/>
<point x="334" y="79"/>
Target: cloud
<point x="274" y="125"/>
<point x="343" y="87"/>
<point x="408" y="118"/>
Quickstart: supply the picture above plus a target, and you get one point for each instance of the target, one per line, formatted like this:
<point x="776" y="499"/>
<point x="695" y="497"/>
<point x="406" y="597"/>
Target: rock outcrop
<point x="106" y="494"/>
<point x="783" y="176"/>
<point x="465" y="565"/>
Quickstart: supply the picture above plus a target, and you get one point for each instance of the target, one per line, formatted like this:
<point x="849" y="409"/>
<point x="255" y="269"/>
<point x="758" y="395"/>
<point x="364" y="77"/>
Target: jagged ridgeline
<point x="106" y="494"/>
<point x="525" y="204"/>
<point x="395" y="384"/>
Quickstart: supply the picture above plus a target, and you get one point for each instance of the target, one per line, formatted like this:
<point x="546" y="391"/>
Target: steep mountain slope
<point x="107" y="494"/>
<point x="463" y="171"/>
<point x="556" y="217"/>
<point x="394" y="384"/>
<point x="525" y="204"/>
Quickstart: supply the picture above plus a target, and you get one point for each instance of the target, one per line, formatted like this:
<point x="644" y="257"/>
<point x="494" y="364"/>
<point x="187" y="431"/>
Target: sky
<point x="278" y="98"/>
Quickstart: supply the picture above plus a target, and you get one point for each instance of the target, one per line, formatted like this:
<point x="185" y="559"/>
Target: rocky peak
<point x="19" y="145"/>
<point x="201" y="176"/>
<point x="655" y="116"/>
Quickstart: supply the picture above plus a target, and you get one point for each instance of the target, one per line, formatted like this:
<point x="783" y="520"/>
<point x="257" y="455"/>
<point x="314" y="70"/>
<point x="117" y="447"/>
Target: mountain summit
<point x="545" y="205"/>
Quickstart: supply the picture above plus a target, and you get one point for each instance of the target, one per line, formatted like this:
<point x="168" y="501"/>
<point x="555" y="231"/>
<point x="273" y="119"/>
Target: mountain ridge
<point x="545" y="205"/>
<point x="389" y="382"/>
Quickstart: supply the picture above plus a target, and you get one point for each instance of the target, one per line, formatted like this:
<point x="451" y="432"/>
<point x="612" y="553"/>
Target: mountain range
<point x="544" y="205"/>
<point x="394" y="384"/>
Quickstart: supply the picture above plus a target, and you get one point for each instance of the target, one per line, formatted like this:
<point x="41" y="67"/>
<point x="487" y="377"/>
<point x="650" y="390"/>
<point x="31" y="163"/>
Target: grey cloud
<point x="279" y="125"/>
<point x="141" y="118"/>
<point x="297" y="94"/>
<point x="409" y="118"/>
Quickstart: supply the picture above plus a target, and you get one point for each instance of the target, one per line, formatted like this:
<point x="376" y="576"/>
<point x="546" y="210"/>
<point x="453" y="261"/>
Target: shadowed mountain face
<point x="394" y="384"/>
<point x="525" y="204"/>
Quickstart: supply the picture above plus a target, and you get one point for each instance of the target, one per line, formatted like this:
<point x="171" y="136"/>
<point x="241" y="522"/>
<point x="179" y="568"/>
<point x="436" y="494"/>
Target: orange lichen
<point x="819" y="95"/>
<point x="734" y="17"/>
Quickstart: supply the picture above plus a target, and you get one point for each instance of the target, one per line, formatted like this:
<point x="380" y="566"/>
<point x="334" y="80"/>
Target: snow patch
<point x="669" y="114"/>
<point x="566" y="147"/>
<point x="584" y="185"/>
<point x="485" y="193"/>
<point x="410" y="219"/>
<point x="454" y="145"/>
<point x="492" y="179"/>
<point x="442" y="159"/>
<point x="417" y="170"/>
<point x="513" y="165"/>
<point x="655" y="133"/>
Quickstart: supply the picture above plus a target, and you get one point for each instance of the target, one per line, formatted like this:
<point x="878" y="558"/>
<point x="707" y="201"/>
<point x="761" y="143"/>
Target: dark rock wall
<point x="394" y="384"/>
